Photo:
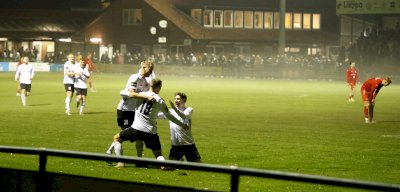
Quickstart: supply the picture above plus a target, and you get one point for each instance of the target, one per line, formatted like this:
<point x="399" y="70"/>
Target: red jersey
<point x="372" y="86"/>
<point x="352" y="75"/>
<point x="91" y="65"/>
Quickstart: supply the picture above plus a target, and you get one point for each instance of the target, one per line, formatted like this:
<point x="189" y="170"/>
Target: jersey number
<point x="145" y="107"/>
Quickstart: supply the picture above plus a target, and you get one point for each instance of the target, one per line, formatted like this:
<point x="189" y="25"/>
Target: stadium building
<point x="216" y="27"/>
<point x="189" y="27"/>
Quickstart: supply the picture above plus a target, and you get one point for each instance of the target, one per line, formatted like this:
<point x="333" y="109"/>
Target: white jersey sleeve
<point x="180" y="136"/>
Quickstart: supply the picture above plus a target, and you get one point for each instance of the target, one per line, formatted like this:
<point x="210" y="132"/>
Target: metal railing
<point x="234" y="171"/>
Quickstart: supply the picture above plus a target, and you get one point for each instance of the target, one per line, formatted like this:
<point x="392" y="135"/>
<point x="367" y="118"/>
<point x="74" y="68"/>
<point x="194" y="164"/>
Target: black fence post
<point x="234" y="179"/>
<point x="41" y="179"/>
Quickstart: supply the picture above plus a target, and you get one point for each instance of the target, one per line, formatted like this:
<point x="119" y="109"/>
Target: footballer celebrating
<point x="81" y="76"/>
<point x="144" y="126"/>
<point x="138" y="82"/>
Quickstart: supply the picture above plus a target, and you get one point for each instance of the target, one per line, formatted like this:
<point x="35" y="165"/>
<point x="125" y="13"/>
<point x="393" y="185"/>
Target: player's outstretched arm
<point x="172" y="118"/>
<point x="183" y="116"/>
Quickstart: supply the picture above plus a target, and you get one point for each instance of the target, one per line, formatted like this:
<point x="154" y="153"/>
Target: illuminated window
<point x="316" y="21"/>
<point x="268" y="20"/>
<point x="313" y="51"/>
<point x="208" y="18"/>
<point x="196" y="14"/>
<point x="238" y="19"/>
<point x="248" y="19"/>
<point x="288" y="20"/>
<point x="297" y="20"/>
<point x="228" y="19"/>
<point x="276" y="20"/>
<point x="258" y="20"/>
<point x="218" y="21"/>
<point x="131" y="17"/>
<point x="306" y="21"/>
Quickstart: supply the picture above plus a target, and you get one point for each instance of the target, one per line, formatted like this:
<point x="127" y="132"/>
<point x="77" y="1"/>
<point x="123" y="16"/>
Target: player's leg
<point x="83" y="105"/>
<point x="90" y="82"/>
<point x="69" y="93"/>
<point x="18" y="90"/>
<point x="23" y="95"/>
<point x="152" y="142"/>
<point x="127" y="134"/>
<point x="366" y="103"/>
<point x="117" y="145"/>
<point x="366" y="111"/>
<point x="371" y="112"/>
<point x="192" y="154"/>
<point x="139" y="148"/>
<point x="175" y="153"/>
<point x="351" y="93"/>
<point x="83" y="99"/>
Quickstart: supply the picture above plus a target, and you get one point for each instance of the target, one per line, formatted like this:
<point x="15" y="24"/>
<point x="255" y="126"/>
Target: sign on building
<point x="367" y="7"/>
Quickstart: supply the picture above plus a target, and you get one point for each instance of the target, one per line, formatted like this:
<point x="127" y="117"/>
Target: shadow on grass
<point x="389" y="121"/>
<point x="96" y="112"/>
<point x="39" y="104"/>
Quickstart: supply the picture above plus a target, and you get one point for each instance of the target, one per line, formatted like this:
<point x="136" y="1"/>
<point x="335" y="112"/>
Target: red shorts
<point x="352" y="85"/>
<point x="366" y="95"/>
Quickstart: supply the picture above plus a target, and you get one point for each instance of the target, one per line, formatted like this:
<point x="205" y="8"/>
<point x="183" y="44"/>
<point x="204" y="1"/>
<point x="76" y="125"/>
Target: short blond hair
<point x="148" y="63"/>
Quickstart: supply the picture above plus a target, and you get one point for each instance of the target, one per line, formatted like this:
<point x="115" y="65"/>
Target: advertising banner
<point x="4" y="66"/>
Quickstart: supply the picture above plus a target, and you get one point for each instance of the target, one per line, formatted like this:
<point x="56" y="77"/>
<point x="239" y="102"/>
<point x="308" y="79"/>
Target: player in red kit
<point x="92" y="68"/>
<point x="352" y="78"/>
<point x="369" y="90"/>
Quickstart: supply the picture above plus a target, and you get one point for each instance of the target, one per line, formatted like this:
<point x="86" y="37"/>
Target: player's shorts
<point x="352" y="84"/>
<point x="189" y="151"/>
<point x="27" y="87"/>
<point x="80" y="91"/>
<point x="125" y="118"/>
<point x="152" y="141"/>
<point x="69" y="87"/>
<point x="366" y="95"/>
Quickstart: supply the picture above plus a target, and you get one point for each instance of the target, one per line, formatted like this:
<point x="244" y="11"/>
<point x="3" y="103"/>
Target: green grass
<point x="296" y="126"/>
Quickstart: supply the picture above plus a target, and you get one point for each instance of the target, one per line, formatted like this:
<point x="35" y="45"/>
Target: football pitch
<point x="305" y="127"/>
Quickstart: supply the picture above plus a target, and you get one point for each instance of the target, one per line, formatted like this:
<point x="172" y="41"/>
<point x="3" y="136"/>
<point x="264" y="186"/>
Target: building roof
<point x="28" y="21"/>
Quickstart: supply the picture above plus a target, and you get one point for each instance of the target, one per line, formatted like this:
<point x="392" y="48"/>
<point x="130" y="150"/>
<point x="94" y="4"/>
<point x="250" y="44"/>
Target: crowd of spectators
<point x="376" y="47"/>
<point x="16" y="54"/>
